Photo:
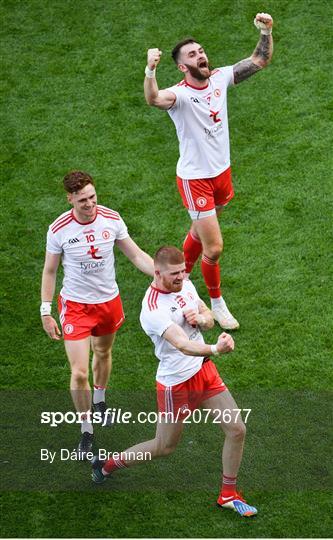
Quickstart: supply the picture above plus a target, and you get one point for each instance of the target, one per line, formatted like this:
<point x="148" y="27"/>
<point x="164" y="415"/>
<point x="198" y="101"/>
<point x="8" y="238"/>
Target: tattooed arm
<point x="261" y="55"/>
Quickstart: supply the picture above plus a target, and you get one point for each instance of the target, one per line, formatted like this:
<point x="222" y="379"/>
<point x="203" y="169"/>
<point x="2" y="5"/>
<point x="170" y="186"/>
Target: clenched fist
<point x="225" y="343"/>
<point x="264" y="22"/>
<point x="153" y="58"/>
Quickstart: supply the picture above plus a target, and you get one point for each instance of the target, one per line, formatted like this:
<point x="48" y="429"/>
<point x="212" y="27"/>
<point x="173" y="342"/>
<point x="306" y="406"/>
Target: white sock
<point x="86" y="426"/>
<point x="216" y="302"/>
<point x="99" y="394"/>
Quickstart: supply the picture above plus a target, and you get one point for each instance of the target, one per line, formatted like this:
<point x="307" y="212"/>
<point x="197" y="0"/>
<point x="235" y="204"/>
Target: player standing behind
<point x="173" y="316"/>
<point x="89" y="304"/>
<point x="198" y="108"/>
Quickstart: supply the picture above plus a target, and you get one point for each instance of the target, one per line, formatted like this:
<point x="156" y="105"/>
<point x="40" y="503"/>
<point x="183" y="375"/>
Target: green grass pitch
<point x="72" y="98"/>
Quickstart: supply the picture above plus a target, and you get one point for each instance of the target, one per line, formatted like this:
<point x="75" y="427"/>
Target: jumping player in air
<point x="198" y="107"/>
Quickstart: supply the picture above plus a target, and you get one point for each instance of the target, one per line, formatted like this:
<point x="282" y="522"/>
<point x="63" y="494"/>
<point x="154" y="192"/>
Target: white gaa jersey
<point x="160" y="310"/>
<point x="87" y="254"/>
<point x="201" y="120"/>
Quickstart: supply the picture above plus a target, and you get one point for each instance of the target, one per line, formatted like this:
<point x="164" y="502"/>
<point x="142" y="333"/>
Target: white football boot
<point x="223" y="316"/>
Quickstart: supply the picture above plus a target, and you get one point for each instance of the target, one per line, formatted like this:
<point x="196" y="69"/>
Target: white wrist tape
<point x="214" y="350"/>
<point x="150" y="73"/>
<point x="262" y="27"/>
<point x="45" y="308"/>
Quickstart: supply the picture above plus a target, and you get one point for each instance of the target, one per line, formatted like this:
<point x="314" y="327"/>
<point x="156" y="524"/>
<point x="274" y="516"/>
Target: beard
<point x="171" y="286"/>
<point x="201" y="74"/>
<point x="177" y="287"/>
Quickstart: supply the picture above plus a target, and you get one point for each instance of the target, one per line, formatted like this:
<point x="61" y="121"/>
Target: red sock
<point x="229" y="486"/>
<point x="192" y="248"/>
<point x="211" y="272"/>
<point x="114" y="463"/>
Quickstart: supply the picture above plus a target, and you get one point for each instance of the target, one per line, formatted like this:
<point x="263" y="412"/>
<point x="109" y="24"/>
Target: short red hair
<point x="76" y="180"/>
<point x="168" y="255"/>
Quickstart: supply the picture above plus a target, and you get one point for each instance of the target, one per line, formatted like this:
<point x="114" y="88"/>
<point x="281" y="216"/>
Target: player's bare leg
<point x="168" y="435"/>
<point x="208" y="231"/>
<point x="102" y="358"/>
<point x="78" y="356"/>
<point x="101" y="366"/>
<point x="234" y="429"/>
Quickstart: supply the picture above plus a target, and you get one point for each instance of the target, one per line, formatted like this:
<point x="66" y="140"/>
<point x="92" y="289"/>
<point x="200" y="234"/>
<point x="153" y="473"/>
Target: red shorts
<point x="79" y="321"/>
<point x="205" y="194"/>
<point x="189" y="394"/>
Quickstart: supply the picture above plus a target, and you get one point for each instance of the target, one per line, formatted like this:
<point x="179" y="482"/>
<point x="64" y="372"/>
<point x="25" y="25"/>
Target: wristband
<point x="214" y="350"/>
<point x="262" y="27"/>
<point x="45" y="308"/>
<point x="150" y="73"/>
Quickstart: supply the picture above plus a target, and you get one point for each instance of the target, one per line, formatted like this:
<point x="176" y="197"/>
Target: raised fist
<point x="264" y="22"/>
<point x="153" y="58"/>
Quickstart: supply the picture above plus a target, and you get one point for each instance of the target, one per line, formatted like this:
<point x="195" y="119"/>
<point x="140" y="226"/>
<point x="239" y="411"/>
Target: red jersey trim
<point x="83" y="222"/>
<point x="195" y="87"/>
<point x="107" y="210"/>
<point x="159" y="290"/>
<point x="60" y="223"/>
<point x="61" y="218"/>
<point x="152" y="299"/>
<point x="108" y="215"/>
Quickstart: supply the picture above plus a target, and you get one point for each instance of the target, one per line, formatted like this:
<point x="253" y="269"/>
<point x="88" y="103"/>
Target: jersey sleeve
<point x="156" y="321"/>
<point x="227" y="73"/>
<point x="178" y="91"/>
<point x="193" y="290"/>
<point x="122" y="231"/>
<point x="52" y="244"/>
